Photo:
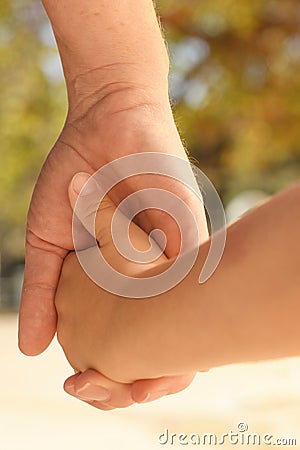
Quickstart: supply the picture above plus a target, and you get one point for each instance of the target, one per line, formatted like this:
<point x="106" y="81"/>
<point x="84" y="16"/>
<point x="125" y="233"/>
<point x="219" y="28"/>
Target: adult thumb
<point x="92" y="212"/>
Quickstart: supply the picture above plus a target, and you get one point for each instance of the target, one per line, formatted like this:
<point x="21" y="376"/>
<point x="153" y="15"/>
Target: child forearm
<point x="249" y="309"/>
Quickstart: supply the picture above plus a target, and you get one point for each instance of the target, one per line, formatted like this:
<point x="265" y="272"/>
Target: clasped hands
<point x="90" y="139"/>
<point x="118" y="337"/>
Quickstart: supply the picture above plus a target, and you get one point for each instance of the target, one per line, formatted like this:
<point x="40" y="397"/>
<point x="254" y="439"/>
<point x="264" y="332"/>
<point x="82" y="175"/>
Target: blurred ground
<point x="35" y="414"/>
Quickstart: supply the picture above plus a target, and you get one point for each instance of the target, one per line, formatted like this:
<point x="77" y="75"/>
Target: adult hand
<point x="117" y="87"/>
<point x="107" y="131"/>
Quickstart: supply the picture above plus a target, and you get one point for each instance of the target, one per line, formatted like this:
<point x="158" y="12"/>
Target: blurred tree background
<point x="234" y="81"/>
<point x="236" y="86"/>
<point x="32" y="110"/>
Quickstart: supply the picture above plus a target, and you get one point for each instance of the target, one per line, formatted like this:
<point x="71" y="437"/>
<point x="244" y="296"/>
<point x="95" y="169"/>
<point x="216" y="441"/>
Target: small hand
<point x="78" y="335"/>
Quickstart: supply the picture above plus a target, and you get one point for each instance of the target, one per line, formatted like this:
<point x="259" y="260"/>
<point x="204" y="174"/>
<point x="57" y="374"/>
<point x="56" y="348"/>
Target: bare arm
<point x="104" y="43"/>
<point x="116" y="69"/>
<point x="247" y="311"/>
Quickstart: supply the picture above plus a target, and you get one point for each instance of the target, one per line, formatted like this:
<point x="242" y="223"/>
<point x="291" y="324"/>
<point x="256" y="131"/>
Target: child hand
<point x="99" y="330"/>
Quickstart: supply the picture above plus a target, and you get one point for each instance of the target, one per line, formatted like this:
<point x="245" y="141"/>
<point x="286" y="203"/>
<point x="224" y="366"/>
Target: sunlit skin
<point x="247" y="311"/>
<point x="118" y="105"/>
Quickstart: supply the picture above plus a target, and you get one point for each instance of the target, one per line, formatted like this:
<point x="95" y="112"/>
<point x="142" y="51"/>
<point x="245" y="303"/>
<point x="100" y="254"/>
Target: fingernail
<point x="70" y="388"/>
<point x="79" y="181"/>
<point x="150" y="396"/>
<point x="92" y="392"/>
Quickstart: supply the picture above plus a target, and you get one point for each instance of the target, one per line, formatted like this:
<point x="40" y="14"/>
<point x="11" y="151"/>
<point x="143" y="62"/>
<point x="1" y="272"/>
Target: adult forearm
<point x="109" y="41"/>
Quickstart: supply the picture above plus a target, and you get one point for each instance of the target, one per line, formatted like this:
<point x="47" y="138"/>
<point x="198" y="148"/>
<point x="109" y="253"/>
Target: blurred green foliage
<point x="234" y="80"/>
<point x="32" y="109"/>
<point x="237" y="91"/>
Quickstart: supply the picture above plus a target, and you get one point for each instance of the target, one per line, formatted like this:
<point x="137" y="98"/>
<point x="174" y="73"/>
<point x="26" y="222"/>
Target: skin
<point x="118" y="105"/>
<point x="247" y="311"/>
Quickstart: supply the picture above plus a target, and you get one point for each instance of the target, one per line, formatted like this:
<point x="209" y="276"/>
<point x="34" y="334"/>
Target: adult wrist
<point x="106" y="41"/>
<point x="119" y="85"/>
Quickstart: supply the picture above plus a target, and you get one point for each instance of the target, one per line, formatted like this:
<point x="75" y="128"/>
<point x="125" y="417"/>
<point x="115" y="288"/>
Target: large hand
<point x="113" y="127"/>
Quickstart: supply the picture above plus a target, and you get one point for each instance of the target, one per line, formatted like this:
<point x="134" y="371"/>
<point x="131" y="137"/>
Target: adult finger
<point x="101" y="392"/>
<point x="37" y="318"/>
<point x="152" y="389"/>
